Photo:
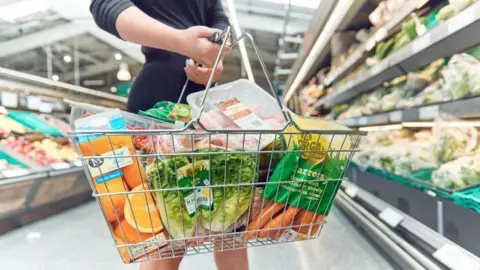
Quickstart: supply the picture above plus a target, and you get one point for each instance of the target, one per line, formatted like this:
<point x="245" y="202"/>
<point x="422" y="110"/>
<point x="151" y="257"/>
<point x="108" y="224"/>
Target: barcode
<point x="257" y="123"/>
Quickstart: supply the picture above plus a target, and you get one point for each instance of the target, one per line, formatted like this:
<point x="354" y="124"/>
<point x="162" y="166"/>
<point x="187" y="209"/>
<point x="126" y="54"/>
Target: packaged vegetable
<point x="302" y="172"/>
<point x="174" y="113"/>
<point x="203" y="203"/>
<point x="459" y="173"/>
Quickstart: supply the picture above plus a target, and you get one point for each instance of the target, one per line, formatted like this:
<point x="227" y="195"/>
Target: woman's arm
<point x="219" y="20"/>
<point x="123" y="19"/>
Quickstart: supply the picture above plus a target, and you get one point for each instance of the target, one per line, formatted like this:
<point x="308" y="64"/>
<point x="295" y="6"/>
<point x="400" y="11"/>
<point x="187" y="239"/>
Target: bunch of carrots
<point x="275" y="218"/>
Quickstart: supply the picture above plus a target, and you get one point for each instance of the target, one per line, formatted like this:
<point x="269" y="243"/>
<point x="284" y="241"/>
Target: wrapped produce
<point x="459" y="173"/>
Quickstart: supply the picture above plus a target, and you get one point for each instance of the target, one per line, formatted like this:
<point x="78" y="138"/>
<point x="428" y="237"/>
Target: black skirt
<point x="162" y="78"/>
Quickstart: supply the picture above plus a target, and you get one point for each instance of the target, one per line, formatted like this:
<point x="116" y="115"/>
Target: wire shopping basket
<point x="171" y="192"/>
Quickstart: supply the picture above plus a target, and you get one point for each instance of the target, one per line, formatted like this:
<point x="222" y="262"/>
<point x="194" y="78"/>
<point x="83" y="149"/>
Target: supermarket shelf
<point x="22" y="195"/>
<point x="318" y="32"/>
<point x="455" y="35"/>
<point x="466" y="108"/>
<point x="361" y="53"/>
<point x="431" y="222"/>
<point x="14" y="81"/>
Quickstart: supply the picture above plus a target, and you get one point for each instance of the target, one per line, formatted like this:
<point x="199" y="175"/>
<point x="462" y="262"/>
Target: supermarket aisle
<point x="78" y="239"/>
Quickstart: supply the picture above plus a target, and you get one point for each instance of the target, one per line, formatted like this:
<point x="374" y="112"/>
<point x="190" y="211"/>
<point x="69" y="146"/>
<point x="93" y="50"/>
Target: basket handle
<point x="227" y="33"/>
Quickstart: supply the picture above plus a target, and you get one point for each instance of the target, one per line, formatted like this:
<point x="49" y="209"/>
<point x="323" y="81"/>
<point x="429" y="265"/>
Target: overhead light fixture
<point x="55" y="77"/>
<point x="67" y="58"/>
<point x="113" y="89"/>
<point x="381" y="128"/>
<point x="118" y="56"/>
<point x="123" y="74"/>
<point x="21" y="9"/>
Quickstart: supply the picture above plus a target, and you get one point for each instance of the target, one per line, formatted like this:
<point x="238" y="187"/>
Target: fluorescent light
<point x="337" y="16"/>
<point x="67" y="58"/>
<point x="381" y="128"/>
<point x="123" y="73"/>
<point x="443" y="124"/>
<point x="20" y="9"/>
<point x="55" y="77"/>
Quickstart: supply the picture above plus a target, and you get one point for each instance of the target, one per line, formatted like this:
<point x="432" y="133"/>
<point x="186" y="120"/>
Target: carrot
<point x="317" y="224"/>
<point x="303" y="219"/>
<point x="279" y="222"/>
<point x="262" y="219"/>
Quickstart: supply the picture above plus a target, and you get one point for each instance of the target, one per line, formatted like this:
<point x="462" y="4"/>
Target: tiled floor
<point x="78" y="240"/>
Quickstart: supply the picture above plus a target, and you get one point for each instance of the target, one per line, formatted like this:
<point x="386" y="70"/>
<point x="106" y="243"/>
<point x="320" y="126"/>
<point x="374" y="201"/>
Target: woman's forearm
<point x="135" y="26"/>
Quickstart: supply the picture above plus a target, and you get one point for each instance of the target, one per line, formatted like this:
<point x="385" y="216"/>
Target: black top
<point x="165" y="77"/>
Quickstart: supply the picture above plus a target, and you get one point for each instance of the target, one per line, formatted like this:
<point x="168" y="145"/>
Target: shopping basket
<point x="181" y="191"/>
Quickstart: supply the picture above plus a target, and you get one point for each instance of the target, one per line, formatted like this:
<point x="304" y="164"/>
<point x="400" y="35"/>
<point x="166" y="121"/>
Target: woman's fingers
<point x="200" y="74"/>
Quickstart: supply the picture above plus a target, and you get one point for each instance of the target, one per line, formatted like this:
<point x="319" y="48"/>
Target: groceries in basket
<point x="173" y="190"/>
<point x="309" y="176"/>
<point x="113" y="169"/>
<point x="177" y="114"/>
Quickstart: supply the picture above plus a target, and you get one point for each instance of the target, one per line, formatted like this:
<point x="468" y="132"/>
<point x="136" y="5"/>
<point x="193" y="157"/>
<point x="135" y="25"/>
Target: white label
<point x="33" y="102"/>
<point x="9" y="99"/>
<point x="395" y="116"/>
<point x="241" y="114"/>
<point x="288" y="236"/>
<point x="146" y="246"/>
<point x="463" y="19"/>
<point x="100" y="165"/>
<point x="190" y="203"/>
<point x="78" y="163"/>
<point x="455" y="259"/>
<point x="381" y="34"/>
<point x="391" y="217"/>
<point x="14" y="173"/>
<point x="60" y="166"/>
<point x="45" y="107"/>
<point x="380" y="119"/>
<point x="428" y="112"/>
<point x="362" y="121"/>
<point x="421" y="43"/>
<point x="370" y="44"/>
<point x="351" y="191"/>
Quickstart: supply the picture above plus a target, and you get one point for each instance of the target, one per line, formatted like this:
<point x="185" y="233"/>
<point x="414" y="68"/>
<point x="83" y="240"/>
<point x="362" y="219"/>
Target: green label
<point x="309" y="183"/>
<point x="196" y="176"/>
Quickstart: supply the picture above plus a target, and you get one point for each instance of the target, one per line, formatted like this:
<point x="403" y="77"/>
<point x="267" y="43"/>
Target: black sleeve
<point x="219" y="19"/>
<point x="105" y="13"/>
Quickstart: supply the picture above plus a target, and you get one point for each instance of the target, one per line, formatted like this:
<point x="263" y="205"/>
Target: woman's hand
<point x="195" y="44"/>
<point x="199" y="74"/>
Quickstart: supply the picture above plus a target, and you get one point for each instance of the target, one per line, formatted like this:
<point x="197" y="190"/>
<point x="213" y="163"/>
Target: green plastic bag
<point x="177" y="114"/>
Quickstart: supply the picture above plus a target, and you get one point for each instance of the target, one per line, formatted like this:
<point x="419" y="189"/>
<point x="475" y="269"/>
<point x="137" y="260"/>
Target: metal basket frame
<point x="231" y="240"/>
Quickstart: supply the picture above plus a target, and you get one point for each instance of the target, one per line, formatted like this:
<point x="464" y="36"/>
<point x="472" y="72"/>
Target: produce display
<point x="28" y="149"/>
<point x="445" y="79"/>
<point x="8" y="126"/>
<point x="194" y="188"/>
<point x="451" y="151"/>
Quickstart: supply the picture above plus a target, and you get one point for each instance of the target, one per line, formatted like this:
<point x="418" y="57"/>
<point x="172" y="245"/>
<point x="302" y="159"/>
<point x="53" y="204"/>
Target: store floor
<point x="79" y="240"/>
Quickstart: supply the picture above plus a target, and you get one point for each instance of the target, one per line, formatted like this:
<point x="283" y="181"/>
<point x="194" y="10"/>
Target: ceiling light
<point x="21" y="9"/>
<point x="118" y="56"/>
<point x="113" y="89"/>
<point x="67" y="58"/>
<point x="381" y="128"/>
<point x="123" y="74"/>
<point x="55" y="77"/>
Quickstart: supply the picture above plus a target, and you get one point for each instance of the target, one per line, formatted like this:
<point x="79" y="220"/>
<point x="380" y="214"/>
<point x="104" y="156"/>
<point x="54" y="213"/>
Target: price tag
<point x="60" y="166"/>
<point x="351" y="191"/>
<point x="381" y="119"/>
<point x="454" y="258"/>
<point x="9" y="99"/>
<point x="428" y="112"/>
<point x="463" y="19"/>
<point x="395" y="116"/>
<point x="78" y="163"/>
<point x="362" y="121"/>
<point x="370" y="44"/>
<point x="14" y="173"/>
<point x="421" y="43"/>
<point x="391" y="217"/>
<point x="381" y="34"/>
